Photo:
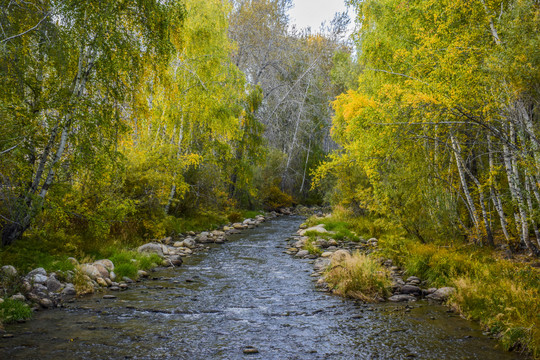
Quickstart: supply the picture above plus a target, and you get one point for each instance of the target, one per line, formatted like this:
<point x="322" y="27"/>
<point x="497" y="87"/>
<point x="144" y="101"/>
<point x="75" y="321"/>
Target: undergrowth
<point x="503" y="295"/>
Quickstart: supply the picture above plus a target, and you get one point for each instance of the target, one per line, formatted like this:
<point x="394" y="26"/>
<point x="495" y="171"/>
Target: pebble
<point x="109" y="296"/>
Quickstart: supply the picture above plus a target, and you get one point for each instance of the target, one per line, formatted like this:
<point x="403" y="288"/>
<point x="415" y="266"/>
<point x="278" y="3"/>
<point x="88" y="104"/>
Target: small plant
<point x="312" y="248"/>
<point x="14" y="310"/>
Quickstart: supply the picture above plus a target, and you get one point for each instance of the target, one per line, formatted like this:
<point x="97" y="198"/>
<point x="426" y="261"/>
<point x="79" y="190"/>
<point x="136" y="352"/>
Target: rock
<point x="114" y="288"/>
<point x="38" y="275"/>
<point x="332" y="242"/>
<point x="53" y="285"/>
<point x="442" y="294"/>
<point x="69" y="290"/>
<point x="128" y="280"/>
<point x="178" y="244"/>
<point x="250" y="350"/>
<point x="142" y="273"/>
<point x="90" y="270"/>
<point x="339" y="256"/>
<point x="189" y="242"/>
<point x="40" y="271"/>
<point x="18" y="297"/>
<point x="412" y="279"/>
<point x="101" y="282"/>
<point x="39" y="279"/>
<point x="322" y="243"/>
<point x="107" y="263"/>
<point x="151" y="248"/>
<point x="411" y="290"/>
<point x="46" y="303"/>
<point x="318" y="229"/>
<point x="302" y="253"/>
<point x="327" y="254"/>
<point x="176" y="260"/>
<point x="401" y="298"/>
<point x="1" y="300"/>
<point x="112" y="276"/>
<point x="321" y="264"/>
<point x="238" y="226"/>
<point x="109" y="297"/>
<point x="103" y="272"/>
<point x="9" y="270"/>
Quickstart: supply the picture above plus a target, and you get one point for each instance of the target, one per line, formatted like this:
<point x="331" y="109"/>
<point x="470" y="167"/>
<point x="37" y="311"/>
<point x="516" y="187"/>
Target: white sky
<point x="313" y="12"/>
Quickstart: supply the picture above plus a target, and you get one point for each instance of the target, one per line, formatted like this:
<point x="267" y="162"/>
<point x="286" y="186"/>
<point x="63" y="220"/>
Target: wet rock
<point x="442" y="294"/>
<point x="69" y="290"/>
<point x="339" y="256"/>
<point x="411" y="290"/>
<point x="401" y="298"/>
<point x="413" y="279"/>
<point x="250" y="350"/>
<point x="176" y="260"/>
<point x="53" y="285"/>
<point x="127" y="280"/>
<point x="151" y="248"/>
<point x="9" y="270"/>
<point x="109" y="297"/>
<point x="114" y="288"/>
<point x="142" y="273"/>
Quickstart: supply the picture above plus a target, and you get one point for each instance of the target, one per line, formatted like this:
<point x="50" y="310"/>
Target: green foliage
<point x="312" y="248"/>
<point x="274" y="198"/>
<point x="127" y="263"/>
<point x="13" y="310"/>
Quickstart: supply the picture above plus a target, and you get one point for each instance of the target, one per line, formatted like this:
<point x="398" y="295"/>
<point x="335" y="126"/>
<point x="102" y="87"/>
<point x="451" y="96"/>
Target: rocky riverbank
<point x="42" y="290"/>
<point x="326" y="253"/>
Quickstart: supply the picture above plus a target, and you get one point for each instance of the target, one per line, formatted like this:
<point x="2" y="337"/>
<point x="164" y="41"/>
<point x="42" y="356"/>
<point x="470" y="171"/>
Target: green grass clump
<point x="360" y="277"/>
<point x="14" y="310"/>
<point x="312" y="248"/>
<point x="128" y="263"/>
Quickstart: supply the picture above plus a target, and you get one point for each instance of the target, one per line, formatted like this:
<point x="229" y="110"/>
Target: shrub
<point x="13" y="310"/>
<point x="360" y="277"/>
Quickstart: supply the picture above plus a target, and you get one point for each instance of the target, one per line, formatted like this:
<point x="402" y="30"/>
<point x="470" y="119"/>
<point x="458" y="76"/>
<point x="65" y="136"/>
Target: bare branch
<point x="27" y="31"/>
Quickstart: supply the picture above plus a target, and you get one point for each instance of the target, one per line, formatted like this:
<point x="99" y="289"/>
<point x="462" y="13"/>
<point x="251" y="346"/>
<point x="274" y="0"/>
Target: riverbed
<point x="244" y="293"/>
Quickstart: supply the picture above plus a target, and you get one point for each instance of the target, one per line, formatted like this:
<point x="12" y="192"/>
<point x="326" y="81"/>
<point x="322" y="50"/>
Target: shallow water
<point x="246" y="292"/>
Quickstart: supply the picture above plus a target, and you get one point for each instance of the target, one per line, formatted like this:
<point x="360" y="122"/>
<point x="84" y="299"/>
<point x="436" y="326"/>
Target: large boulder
<point x="151" y="248"/>
<point x="38" y="276"/>
<point x="442" y="294"/>
<point x="53" y="285"/>
<point x="411" y="290"/>
<point x="321" y="264"/>
<point x="103" y="272"/>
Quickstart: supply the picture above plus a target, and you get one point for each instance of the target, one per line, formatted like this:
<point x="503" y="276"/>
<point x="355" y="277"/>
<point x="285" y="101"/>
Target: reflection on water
<point x="244" y="293"/>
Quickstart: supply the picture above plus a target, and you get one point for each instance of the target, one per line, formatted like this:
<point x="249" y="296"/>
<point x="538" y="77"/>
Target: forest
<point x="124" y="121"/>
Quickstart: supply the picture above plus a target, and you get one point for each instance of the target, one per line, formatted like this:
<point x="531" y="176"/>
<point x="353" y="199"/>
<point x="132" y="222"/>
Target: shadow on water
<point x="246" y="292"/>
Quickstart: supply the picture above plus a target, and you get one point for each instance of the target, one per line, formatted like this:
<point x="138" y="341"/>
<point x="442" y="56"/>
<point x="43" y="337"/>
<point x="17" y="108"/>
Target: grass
<point x="503" y="295"/>
<point x="360" y="277"/>
<point x="312" y="248"/>
<point x="13" y="310"/>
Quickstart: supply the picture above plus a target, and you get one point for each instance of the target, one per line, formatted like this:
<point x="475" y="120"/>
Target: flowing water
<point x="246" y="292"/>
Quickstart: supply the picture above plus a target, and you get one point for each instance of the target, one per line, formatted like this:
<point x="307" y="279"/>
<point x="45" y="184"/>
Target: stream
<point x="243" y="293"/>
